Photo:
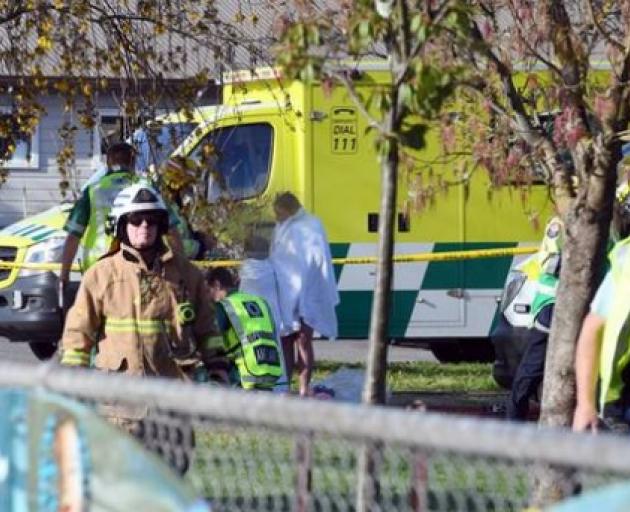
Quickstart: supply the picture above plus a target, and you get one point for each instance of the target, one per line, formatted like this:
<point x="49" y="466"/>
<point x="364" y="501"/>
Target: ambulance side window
<point x="239" y="160"/>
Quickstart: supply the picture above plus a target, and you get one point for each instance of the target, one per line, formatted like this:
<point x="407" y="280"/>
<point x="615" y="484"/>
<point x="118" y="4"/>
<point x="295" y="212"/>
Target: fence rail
<point x="263" y="451"/>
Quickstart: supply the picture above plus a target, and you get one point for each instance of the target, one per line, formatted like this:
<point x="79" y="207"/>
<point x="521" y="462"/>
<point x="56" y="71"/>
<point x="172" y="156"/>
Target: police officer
<point x="530" y="371"/>
<point x="142" y="309"/>
<point x="247" y="354"/>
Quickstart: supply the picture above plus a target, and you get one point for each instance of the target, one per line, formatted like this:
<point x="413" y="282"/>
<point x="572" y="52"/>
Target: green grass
<point x="257" y="466"/>
<point x="425" y="376"/>
<point x="249" y="465"/>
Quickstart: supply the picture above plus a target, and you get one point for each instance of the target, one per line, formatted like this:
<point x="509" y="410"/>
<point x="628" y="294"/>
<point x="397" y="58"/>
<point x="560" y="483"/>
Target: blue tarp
<point x="42" y="433"/>
<point x="612" y="498"/>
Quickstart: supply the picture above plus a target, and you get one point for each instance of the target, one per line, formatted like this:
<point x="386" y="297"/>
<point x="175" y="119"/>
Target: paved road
<point x="348" y="351"/>
<point x="355" y="351"/>
<point x="16" y="352"/>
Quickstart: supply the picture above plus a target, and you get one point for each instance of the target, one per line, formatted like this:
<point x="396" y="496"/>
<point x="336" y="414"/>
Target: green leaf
<point x="406" y="94"/>
<point x="416" y="23"/>
<point x="364" y="30"/>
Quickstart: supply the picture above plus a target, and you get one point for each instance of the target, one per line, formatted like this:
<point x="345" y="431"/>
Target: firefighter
<point x="142" y="309"/>
<point x="247" y="354"/>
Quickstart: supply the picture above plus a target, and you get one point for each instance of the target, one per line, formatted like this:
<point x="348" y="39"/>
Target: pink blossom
<point x="524" y="13"/>
<point x="486" y="30"/>
<point x="513" y="159"/>
<point x="574" y="134"/>
<point x="559" y="129"/>
<point x="327" y="86"/>
<point x="448" y="137"/>
<point x="603" y="106"/>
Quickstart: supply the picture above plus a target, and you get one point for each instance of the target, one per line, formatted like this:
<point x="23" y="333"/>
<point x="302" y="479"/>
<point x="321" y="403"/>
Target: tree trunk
<point x="368" y="492"/>
<point x="374" y="387"/>
<point x="587" y="231"/>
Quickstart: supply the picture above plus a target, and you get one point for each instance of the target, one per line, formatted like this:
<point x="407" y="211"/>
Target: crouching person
<point x="140" y="310"/>
<point x="247" y="354"/>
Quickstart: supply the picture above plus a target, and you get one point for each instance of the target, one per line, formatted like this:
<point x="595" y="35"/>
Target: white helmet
<point x="140" y="197"/>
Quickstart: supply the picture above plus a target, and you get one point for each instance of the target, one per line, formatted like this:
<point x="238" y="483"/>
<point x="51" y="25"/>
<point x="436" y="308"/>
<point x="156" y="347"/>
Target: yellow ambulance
<point x="272" y="135"/>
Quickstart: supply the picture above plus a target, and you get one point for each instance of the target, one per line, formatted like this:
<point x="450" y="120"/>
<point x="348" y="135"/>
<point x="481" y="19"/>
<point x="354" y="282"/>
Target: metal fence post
<point x="419" y="485"/>
<point x="304" y="471"/>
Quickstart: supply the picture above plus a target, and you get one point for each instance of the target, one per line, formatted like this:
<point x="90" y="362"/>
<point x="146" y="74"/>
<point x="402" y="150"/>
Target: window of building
<point x="239" y="158"/>
<point x="111" y="126"/>
<point x="25" y="154"/>
<point x="154" y="142"/>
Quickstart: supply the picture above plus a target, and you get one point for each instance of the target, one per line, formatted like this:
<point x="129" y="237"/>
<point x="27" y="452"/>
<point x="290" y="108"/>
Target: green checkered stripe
<point x="412" y="280"/>
<point x="36" y="232"/>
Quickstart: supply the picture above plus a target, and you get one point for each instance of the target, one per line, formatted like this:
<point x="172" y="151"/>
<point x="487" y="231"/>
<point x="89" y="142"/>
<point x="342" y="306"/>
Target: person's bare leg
<point x="289" y="356"/>
<point x="306" y="357"/>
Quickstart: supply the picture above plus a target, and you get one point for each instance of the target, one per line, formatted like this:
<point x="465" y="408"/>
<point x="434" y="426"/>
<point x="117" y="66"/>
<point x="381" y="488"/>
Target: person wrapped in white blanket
<point x="307" y="290"/>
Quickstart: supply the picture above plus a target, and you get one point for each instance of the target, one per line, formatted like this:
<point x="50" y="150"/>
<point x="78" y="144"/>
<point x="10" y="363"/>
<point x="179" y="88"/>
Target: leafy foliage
<point x="551" y="78"/>
<point x="151" y="53"/>
<point x="331" y="45"/>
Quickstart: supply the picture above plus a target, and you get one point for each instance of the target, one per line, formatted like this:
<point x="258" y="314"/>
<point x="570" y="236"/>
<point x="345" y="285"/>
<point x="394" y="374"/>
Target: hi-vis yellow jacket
<point x="130" y="314"/>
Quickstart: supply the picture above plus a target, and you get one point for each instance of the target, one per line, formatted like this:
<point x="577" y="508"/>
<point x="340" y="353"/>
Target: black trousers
<point x="531" y="369"/>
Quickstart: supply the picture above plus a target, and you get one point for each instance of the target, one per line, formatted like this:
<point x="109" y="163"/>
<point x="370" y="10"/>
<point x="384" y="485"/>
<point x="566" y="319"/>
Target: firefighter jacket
<point x="138" y="320"/>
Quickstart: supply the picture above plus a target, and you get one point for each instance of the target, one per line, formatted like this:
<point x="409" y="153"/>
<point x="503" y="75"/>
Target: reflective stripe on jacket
<point x="128" y="313"/>
<point x="251" y="340"/>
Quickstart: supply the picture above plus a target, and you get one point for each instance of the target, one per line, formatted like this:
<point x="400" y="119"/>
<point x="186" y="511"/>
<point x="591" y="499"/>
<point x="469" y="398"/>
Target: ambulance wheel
<point x="43" y="350"/>
<point x="463" y="351"/>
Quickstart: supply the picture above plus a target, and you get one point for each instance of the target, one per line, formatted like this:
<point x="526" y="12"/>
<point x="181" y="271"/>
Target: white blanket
<point x="258" y="278"/>
<point x="301" y="258"/>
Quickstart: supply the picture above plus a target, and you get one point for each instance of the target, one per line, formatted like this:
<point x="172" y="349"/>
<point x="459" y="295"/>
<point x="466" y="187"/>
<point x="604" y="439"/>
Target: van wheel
<point x="43" y="350"/>
<point x="463" y="351"/>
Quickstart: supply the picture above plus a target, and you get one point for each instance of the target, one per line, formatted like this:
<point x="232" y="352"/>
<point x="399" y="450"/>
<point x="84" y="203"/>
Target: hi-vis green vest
<point x="615" y="351"/>
<point x="251" y="340"/>
<point x="102" y="194"/>
<point x="549" y="256"/>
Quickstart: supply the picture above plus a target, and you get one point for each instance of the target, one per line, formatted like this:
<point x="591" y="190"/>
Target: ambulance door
<point x="345" y="173"/>
<point x="346" y="188"/>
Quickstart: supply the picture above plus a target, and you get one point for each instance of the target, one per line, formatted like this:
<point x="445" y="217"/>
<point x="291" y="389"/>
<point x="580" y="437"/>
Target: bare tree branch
<point x="606" y="35"/>
<point x="533" y="52"/>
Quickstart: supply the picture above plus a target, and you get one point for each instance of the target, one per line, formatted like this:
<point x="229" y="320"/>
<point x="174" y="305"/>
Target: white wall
<point x="28" y="191"/>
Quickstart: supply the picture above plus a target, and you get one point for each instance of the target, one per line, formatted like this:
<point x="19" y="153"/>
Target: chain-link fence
<point x="256" y="451"/>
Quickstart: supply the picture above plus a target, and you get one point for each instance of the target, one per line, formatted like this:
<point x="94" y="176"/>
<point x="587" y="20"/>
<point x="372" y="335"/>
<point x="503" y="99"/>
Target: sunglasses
<point x="136" y="219"/>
